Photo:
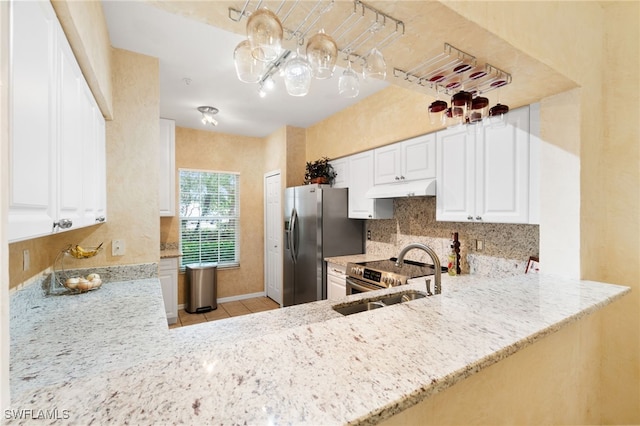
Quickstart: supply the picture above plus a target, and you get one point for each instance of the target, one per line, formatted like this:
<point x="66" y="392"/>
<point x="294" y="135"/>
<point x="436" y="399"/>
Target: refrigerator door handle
<point x="293" y="225"/>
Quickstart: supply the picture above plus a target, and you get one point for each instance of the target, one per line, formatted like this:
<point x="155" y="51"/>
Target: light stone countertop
<point x="107" y="356"/>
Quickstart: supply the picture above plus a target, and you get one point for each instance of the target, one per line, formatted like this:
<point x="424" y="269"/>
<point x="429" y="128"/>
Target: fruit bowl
<point x="83" y="253"/>
<point x="82" y="284"/>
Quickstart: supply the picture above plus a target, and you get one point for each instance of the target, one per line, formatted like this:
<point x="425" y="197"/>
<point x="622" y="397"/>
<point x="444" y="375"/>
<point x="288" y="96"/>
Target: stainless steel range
<point x="379" y="274"/>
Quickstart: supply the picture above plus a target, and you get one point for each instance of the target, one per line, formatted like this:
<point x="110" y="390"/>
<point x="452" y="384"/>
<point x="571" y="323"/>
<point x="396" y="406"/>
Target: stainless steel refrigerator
<point x="316" y="226"/>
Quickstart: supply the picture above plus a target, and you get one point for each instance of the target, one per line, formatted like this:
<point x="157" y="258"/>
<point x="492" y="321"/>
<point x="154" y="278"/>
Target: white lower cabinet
<point x="336" y="281"/>
<point x="168" y="276"/>
<point x="483" y="174"/>
<point x="360" y="181"/>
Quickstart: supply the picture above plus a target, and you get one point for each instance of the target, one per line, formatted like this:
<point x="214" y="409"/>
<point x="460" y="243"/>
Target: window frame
<point x="237" y="216"/>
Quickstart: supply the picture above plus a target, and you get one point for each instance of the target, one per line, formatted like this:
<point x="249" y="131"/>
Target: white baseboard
<point x="235" y="298"/>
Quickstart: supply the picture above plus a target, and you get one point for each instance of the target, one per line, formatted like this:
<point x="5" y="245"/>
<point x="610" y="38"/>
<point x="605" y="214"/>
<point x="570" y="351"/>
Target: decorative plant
<point x="320" y="171"/>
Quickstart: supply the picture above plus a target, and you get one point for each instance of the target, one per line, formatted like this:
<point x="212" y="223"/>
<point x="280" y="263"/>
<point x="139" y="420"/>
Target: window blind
<point x="209" y="217"/>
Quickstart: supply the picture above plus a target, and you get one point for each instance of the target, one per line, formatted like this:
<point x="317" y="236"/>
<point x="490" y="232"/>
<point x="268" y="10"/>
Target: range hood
<point x="416" y="188"/>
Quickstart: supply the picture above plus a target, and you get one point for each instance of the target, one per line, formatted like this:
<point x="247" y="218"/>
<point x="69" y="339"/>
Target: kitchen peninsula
<point x="305" y="364"/>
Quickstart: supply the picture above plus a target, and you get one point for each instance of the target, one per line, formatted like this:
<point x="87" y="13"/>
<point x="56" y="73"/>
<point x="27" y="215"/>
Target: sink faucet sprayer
<point x="434" y="258"/>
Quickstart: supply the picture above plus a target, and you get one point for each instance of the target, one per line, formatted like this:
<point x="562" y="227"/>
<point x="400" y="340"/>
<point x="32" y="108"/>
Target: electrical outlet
<point x="369" y="234"/>
<point x="117" y="248"/>
<point x="26" y="260"/>
<point x="479" y="245"/>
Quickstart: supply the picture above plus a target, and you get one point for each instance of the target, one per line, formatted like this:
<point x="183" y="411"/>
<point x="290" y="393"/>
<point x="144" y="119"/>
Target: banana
<point x="80" y="253"/>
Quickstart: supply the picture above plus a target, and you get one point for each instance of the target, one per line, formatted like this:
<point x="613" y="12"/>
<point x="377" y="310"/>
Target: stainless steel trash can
<point x="202" y="287"/>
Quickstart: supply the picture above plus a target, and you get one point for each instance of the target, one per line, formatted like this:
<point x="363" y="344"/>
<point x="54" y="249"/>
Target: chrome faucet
<point x="434" y="258"/>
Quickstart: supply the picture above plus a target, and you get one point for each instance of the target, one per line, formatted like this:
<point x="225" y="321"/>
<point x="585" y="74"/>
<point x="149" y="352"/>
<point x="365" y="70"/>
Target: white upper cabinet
<point x="71" y="116"/>
<point x="167" y="179"/>
<point x="455" y="179"/>
<point x="360" y="181"/>
<point x="341" y="167"/>
<point x="412" y="159"/>
<point x="32" y="209"/>
<point x="57" y="173"/>
<point x="483" y="173"/>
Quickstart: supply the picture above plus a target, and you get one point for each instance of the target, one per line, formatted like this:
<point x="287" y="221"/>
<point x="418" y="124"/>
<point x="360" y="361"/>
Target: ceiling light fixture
<point x="207" y="115"/>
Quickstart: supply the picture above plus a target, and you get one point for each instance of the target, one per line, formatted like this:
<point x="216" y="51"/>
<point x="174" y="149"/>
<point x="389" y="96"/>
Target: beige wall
<point x="132" y="194"/>
<point x="203" y="150"/>
<point x="388" y="116"/>
<point x="296" y="150"/>
<point x="507" y="393"/>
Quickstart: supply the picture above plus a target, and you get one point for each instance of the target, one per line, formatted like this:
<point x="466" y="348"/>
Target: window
<point x="209" y="217"/>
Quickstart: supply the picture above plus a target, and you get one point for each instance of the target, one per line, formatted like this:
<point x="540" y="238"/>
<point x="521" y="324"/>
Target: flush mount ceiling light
<point x="207" y="115"/>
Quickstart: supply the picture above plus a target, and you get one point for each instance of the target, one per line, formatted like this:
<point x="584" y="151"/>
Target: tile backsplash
<point x="506" y="246"/>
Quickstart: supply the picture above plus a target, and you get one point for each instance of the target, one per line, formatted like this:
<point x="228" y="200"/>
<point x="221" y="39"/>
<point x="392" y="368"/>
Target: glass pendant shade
<point x="322" y="53"/>
<point x="248" y="68"/>
<point x="349" y="84"/>
<point x="297" y="76"/>
<point x="264" y="32"/>
<point x="375" y="65"/>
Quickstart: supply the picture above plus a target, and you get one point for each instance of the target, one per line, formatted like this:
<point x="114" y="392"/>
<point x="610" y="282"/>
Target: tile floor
<point x="226" y="310"/>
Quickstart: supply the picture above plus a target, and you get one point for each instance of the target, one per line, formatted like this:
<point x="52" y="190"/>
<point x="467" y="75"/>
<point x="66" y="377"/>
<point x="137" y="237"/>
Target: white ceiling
<point x="204" y="54"/>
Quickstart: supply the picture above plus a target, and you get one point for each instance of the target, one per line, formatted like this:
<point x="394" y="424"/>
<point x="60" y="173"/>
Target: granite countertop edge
<point x="317" y="331"/>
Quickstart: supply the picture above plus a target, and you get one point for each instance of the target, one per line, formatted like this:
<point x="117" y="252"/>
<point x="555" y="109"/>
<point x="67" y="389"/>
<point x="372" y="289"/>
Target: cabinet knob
<point x="100" y="219"/>
<point x="469" y="217"/>
<point x="397" y="178"/>
<point x="63" y="223"/>
<point x="401" y="177"/>
<point x="478" y="218"/>
<point x="370" y="217"/>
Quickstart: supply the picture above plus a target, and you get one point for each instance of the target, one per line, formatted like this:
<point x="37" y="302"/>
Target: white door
<point x="273" y="236"/>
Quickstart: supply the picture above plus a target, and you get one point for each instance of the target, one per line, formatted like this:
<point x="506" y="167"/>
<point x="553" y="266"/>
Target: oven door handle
<point x="357" y="286"/>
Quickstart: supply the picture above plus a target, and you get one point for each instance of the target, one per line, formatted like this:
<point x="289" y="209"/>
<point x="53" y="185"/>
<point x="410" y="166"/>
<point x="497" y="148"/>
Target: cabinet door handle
<point x="478" y="218"/>
<point x="469" y="217"/>
<point x="397" y="178"/>
<point x="401" y="177"/>
<point x="100" y="219"/>
<point x="63" y="224"/>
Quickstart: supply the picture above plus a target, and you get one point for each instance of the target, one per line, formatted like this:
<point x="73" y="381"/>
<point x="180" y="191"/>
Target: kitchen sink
<point x="403" y="297"/>
<point x="379" y="302"/>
